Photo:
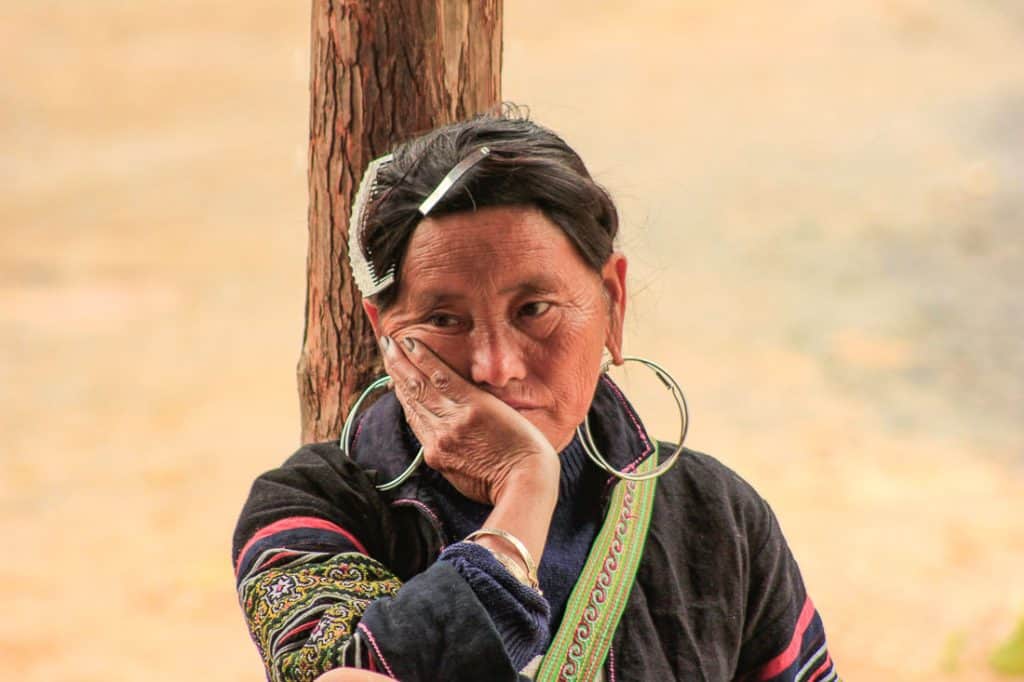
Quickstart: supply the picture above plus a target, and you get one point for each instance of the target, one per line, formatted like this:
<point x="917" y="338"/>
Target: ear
<point x="373" y="313"/>
<point x="613" y="277"/>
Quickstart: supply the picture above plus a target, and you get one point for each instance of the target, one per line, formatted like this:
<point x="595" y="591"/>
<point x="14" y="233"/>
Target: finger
<point x="441" y="376"/>
<point x="412" y="387"/>
<point x="419" y="418"/>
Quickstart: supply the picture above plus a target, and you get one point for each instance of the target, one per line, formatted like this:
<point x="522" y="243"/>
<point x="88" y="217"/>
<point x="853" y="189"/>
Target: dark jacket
<point x="332" y="572"/>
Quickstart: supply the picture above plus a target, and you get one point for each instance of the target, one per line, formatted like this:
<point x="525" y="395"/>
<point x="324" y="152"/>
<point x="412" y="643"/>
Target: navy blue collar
<point x="383" y="441"/>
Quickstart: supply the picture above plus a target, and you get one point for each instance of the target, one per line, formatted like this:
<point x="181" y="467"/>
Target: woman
<point x="485" y="254"/>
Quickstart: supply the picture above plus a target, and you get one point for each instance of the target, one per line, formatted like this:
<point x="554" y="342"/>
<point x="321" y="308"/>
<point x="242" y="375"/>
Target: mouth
<point x="517" y="400"/>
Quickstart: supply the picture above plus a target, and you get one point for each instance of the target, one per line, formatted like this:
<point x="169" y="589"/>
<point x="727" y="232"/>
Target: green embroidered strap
<point x="592" y="614"/>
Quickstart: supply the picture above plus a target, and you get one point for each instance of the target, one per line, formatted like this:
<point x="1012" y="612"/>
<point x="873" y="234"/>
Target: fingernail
<point x="385" y="343"/>
<point x="410" y="343"/>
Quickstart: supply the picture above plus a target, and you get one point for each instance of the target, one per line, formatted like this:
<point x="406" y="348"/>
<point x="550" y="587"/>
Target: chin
<point x="561" y="441"/>
<point x="558" y="435"/>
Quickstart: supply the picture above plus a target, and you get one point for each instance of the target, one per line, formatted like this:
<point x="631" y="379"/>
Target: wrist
<point x="536" y="485"/>
<point x="524" y="507"/>
<point x="504" y="546"/>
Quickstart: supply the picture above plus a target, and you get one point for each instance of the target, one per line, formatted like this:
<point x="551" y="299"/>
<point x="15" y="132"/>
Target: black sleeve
<point x="783" y="634"/>
<point x="329" y="575"/>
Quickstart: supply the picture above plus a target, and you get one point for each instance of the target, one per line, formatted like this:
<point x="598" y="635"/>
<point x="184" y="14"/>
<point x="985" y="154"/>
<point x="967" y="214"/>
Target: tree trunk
<point x="381" y="72"/>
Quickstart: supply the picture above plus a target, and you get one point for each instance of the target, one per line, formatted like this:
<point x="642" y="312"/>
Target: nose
<point x="496" y="357"/>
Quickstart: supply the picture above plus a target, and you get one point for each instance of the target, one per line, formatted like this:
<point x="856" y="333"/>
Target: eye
<point x="534" y="309"/>
<point x="442" y="320"/>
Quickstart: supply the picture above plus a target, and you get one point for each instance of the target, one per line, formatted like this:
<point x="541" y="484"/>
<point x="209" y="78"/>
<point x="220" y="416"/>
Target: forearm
<point x="303" y="610"/>
<point x="501" y="574"/>
<point x="524" y="510"/>
<point x="347" y="610"/>
<point x="436" y="627"/>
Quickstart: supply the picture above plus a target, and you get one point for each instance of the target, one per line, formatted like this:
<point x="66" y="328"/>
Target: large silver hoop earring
<point x="587" y="438"/>
<point x="346" y="435"/>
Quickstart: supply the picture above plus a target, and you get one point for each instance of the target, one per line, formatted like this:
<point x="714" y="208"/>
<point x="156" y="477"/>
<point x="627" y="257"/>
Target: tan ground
<point x="822" y="201"/>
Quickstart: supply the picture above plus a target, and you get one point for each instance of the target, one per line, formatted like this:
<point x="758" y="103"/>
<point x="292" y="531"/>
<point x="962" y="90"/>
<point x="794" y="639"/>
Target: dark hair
<point x="528" y="165"/>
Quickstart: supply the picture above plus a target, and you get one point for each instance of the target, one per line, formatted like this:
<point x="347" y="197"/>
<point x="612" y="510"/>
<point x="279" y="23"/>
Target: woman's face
<point x="502" y="296"/>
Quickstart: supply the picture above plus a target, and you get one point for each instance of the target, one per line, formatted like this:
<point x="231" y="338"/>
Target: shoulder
<point x="705" y="498"/>
<point x="317" y="486"/>
<point x="325" y="500"/>
<point x="317" y="474"/>
<point x="707" y="483"/>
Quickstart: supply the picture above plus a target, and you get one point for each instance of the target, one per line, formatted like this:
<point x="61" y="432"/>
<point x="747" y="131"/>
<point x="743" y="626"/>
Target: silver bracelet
<point x="524" y="554"/>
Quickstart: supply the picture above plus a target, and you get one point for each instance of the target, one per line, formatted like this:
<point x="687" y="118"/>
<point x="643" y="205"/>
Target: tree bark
<point x="381" y="72"/>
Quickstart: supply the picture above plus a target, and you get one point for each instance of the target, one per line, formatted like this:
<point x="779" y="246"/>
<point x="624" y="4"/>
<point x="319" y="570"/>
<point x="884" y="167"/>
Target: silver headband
<point x="366" y="278"/>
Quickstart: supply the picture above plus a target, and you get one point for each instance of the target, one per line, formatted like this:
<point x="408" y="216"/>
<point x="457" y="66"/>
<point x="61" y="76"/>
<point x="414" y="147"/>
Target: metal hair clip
<point x="368" y="281"/>
<point x="453" y="176"/>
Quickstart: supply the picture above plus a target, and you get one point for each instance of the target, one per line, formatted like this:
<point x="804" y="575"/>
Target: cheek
<point x="451" y="348"/>
<point x="573" y="362"/>
<point x="571" y="380"/>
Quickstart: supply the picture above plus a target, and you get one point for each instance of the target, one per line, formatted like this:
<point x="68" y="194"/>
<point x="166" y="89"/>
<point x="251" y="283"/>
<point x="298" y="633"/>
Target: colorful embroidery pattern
<point x="303" y="612"/>
<point x="582" y="643"/>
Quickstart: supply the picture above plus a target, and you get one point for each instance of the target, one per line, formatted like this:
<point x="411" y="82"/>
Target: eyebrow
<point x="535" y="285"/>
<point x="431" y="299"/>
<point x="539" y="285"/>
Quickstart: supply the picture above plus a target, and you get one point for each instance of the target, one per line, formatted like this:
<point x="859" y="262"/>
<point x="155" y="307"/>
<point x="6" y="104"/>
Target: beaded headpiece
<point x="366" y="277"/>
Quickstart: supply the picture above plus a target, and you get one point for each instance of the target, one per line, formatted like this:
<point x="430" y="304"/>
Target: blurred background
<point x="822" y="202"/>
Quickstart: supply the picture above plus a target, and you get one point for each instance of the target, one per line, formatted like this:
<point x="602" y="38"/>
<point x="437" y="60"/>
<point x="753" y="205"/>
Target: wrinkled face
<point x="502" y="296"/>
